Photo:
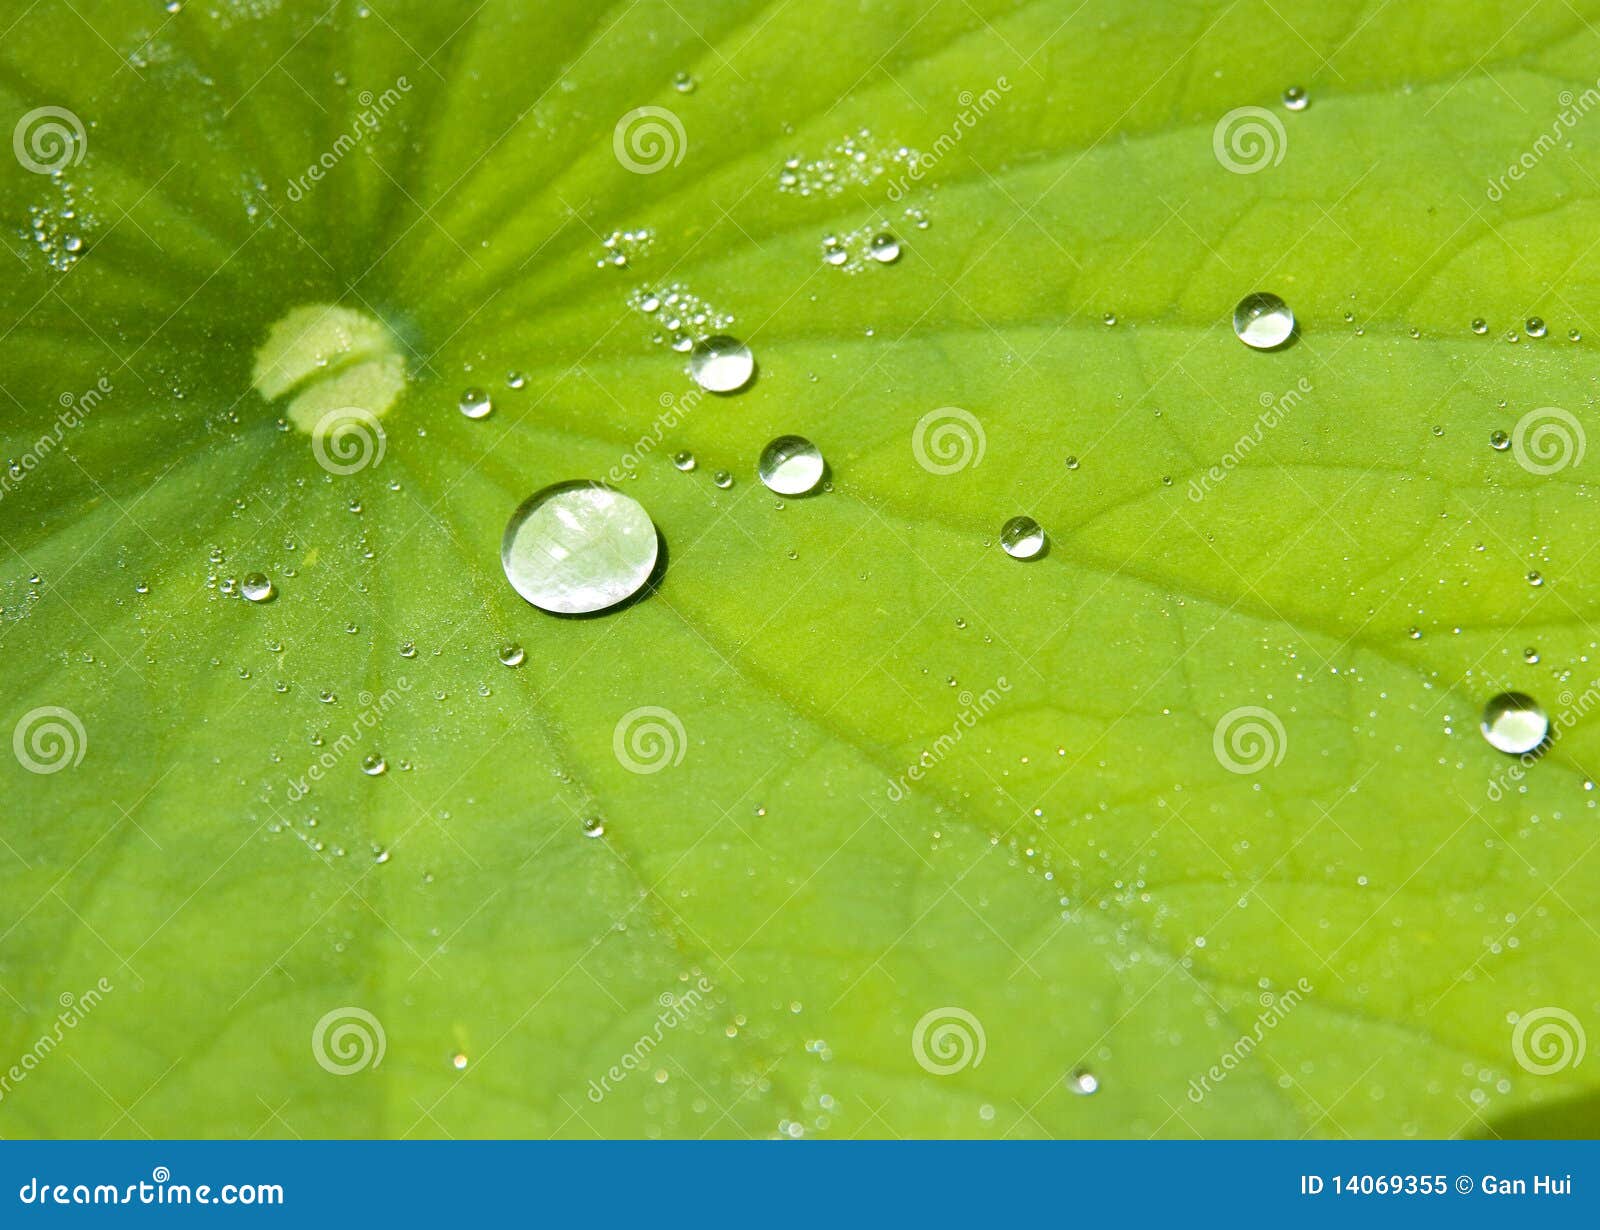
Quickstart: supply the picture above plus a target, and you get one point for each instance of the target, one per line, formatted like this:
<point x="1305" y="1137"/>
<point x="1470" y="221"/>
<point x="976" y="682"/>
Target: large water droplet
<point x="1514" y="723"/>
<point x="722" y="364"/>
<point x="1022" y="538"/>
<point x="258" y="588"/>
<point x="791" y="465"/>
<point x="1263" y="321"/>
<point x="578" y="547"/>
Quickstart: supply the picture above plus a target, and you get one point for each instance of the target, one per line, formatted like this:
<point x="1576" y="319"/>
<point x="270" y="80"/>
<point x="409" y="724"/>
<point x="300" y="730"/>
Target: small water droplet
<point x="1535" y="578"/>
<point x="1499" y="441"/>
<point x="258" y="588"/>
<point x="683" y="82"/>
<point x="594" y="826"/>
<point x="512" y="655"/>
<point x="1534" y="327"/>
<point x="1072" y="463"/>
<point x="1480" y="325"/>
<point x="374" y="765"/>
<point x="476" y="404"/>
<point x="1574" y="336"/>
<point x="1083" y="1082"/>
<point x="578" y="547"/>
<point x="1514" y="723"/>
<point x="458" y="1061"/>
<point x="721" y="364"/>
<point x="722" y="479"/>
<point x="885" y="249"/>
<point x="408" y="649"/>
<point x="1263" y="321"/>
<point x="791" y="465"/>
<point x="1295" y="98"/>
<point x="1530" y="655"/>
<point x="1109" y="319"/>
<point x="1022" y="538"/>
<point x="684" y="460"/>
<point x="515" y="380"/>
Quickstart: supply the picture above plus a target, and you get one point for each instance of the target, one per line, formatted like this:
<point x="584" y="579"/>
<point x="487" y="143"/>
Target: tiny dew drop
<point x="1535" y="578"/>
<point x="1534" y="327"/>
<point x="1499" y="441"/>
<point x="1513" y="723"/>
<point x="1263" y="321"/>
<point x="1480" y="325"/>
<point x="684" y="460"/>
<point x="578" y="547"/>
<point x="476" y="404"/>
<point x="791" y="465"/>
<point x="1083" y="1082"/>
<point x="1109" y="319"/>
<point x="258" y="588"/>
<point x="722" y="479"/>
<point x="885" y="249"/>
<point x="1022" y="538"/>
<point x="374" y="765"/>
<point x="512" y="655"/>
<point x="515" y="380"/>
<point x="721" y="364"/>
<point x="1295" y="99"/>
<point x="594" y="826"/>
<point x="684" y="82"/>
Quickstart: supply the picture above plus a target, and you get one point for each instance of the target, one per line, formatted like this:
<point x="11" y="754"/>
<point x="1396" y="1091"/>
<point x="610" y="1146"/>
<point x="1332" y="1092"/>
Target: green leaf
<point x="899" y="773"/>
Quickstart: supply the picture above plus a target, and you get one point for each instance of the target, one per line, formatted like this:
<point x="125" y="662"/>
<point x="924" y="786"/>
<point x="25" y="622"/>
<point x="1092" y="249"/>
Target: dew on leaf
<point x="1499" y="441"/>
<point x="722" y="364"/>
<point x="374" y="765"/>
<point x="257" y="587"/>
<point x="684" y="460"/>
<point x="885" y="249"/>
<point x="512" y="655"/>
<point x="578" y="547"/>
<point x="791" y="465"/>
<point x="1480" y="325"/>
<point x="1022" y="538"/>
<point x="476" y="404"/>
<point x="1295" y="98"/>
<point x="722" y="479"/>
<point x="1263" y="321"/>
<point x="1534" y="327"/>
<point x="1514" y="723"/>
